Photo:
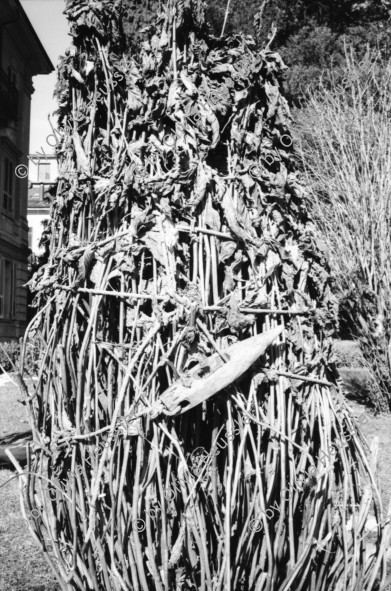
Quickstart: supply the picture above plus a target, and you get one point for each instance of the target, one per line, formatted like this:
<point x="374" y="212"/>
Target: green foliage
<point x="240" y="16"/>
<point x="9" y="354"/>
<point x="310" y="52"/>
<point x="338" y="15"/>
<point x="311" y="36"/>
<point x="137" y="15"/>
<point x="10" y="357"/>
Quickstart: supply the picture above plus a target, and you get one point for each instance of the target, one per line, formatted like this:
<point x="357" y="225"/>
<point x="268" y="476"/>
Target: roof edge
<point x="41" y="48"/>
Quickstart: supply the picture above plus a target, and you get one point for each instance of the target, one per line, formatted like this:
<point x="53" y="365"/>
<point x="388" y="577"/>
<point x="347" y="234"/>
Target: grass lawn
<point x="23" y="567"/>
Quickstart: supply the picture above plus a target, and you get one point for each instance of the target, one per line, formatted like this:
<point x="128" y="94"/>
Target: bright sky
<point x="51" y="26"/>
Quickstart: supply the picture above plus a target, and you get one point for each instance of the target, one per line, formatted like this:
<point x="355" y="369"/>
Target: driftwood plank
<point x="179" y="398"/>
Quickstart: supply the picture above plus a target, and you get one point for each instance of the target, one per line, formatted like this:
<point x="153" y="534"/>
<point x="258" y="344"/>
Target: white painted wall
<point x="35" y="218"/>
<point x="35" y="225"/>
<point x="35" y="160"/>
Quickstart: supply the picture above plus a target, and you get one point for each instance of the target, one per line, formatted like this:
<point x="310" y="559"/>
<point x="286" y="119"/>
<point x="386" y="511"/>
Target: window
<point x="8" y="185"/>
<point x="7" y="289"/>
<point x="43" y="173"/>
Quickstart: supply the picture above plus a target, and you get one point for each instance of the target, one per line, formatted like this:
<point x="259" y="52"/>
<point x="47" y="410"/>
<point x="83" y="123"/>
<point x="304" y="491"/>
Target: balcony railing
<point x="9" y="98"/>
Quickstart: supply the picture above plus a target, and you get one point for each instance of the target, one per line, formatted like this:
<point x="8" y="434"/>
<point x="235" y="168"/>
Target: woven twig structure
<point x="188" y="430"/>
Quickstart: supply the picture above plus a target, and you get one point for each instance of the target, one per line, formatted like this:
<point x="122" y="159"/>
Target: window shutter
<point x="13" y="291"/>
<point x="8" y="185"/>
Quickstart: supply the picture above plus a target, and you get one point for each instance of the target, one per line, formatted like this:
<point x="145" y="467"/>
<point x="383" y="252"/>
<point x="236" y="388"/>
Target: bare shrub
<point x="345" y="148"/>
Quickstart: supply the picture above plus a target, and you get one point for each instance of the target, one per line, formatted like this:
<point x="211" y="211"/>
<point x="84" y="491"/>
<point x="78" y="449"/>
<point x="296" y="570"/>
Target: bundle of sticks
<point x="189" y="431"/>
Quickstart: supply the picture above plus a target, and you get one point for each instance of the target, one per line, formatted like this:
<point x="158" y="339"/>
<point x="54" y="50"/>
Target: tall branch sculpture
<point x="189" y="432"/>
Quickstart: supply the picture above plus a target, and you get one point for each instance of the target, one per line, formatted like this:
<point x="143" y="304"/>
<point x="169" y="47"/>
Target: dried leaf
<point x="85" y="263"/>
<point x="226" y="250"/>
<point x="236" y="320"/>
<point x="153" y="240"/>
<point x="81" y="157"/>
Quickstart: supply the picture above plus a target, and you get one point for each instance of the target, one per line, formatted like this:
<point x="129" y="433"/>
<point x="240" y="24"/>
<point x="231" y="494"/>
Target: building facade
<point x="42" y="176"/>
<point x="22" y="56"/>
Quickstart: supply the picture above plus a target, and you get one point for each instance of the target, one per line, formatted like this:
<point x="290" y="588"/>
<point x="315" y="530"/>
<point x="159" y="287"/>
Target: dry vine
<point x="178" y="231"/>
